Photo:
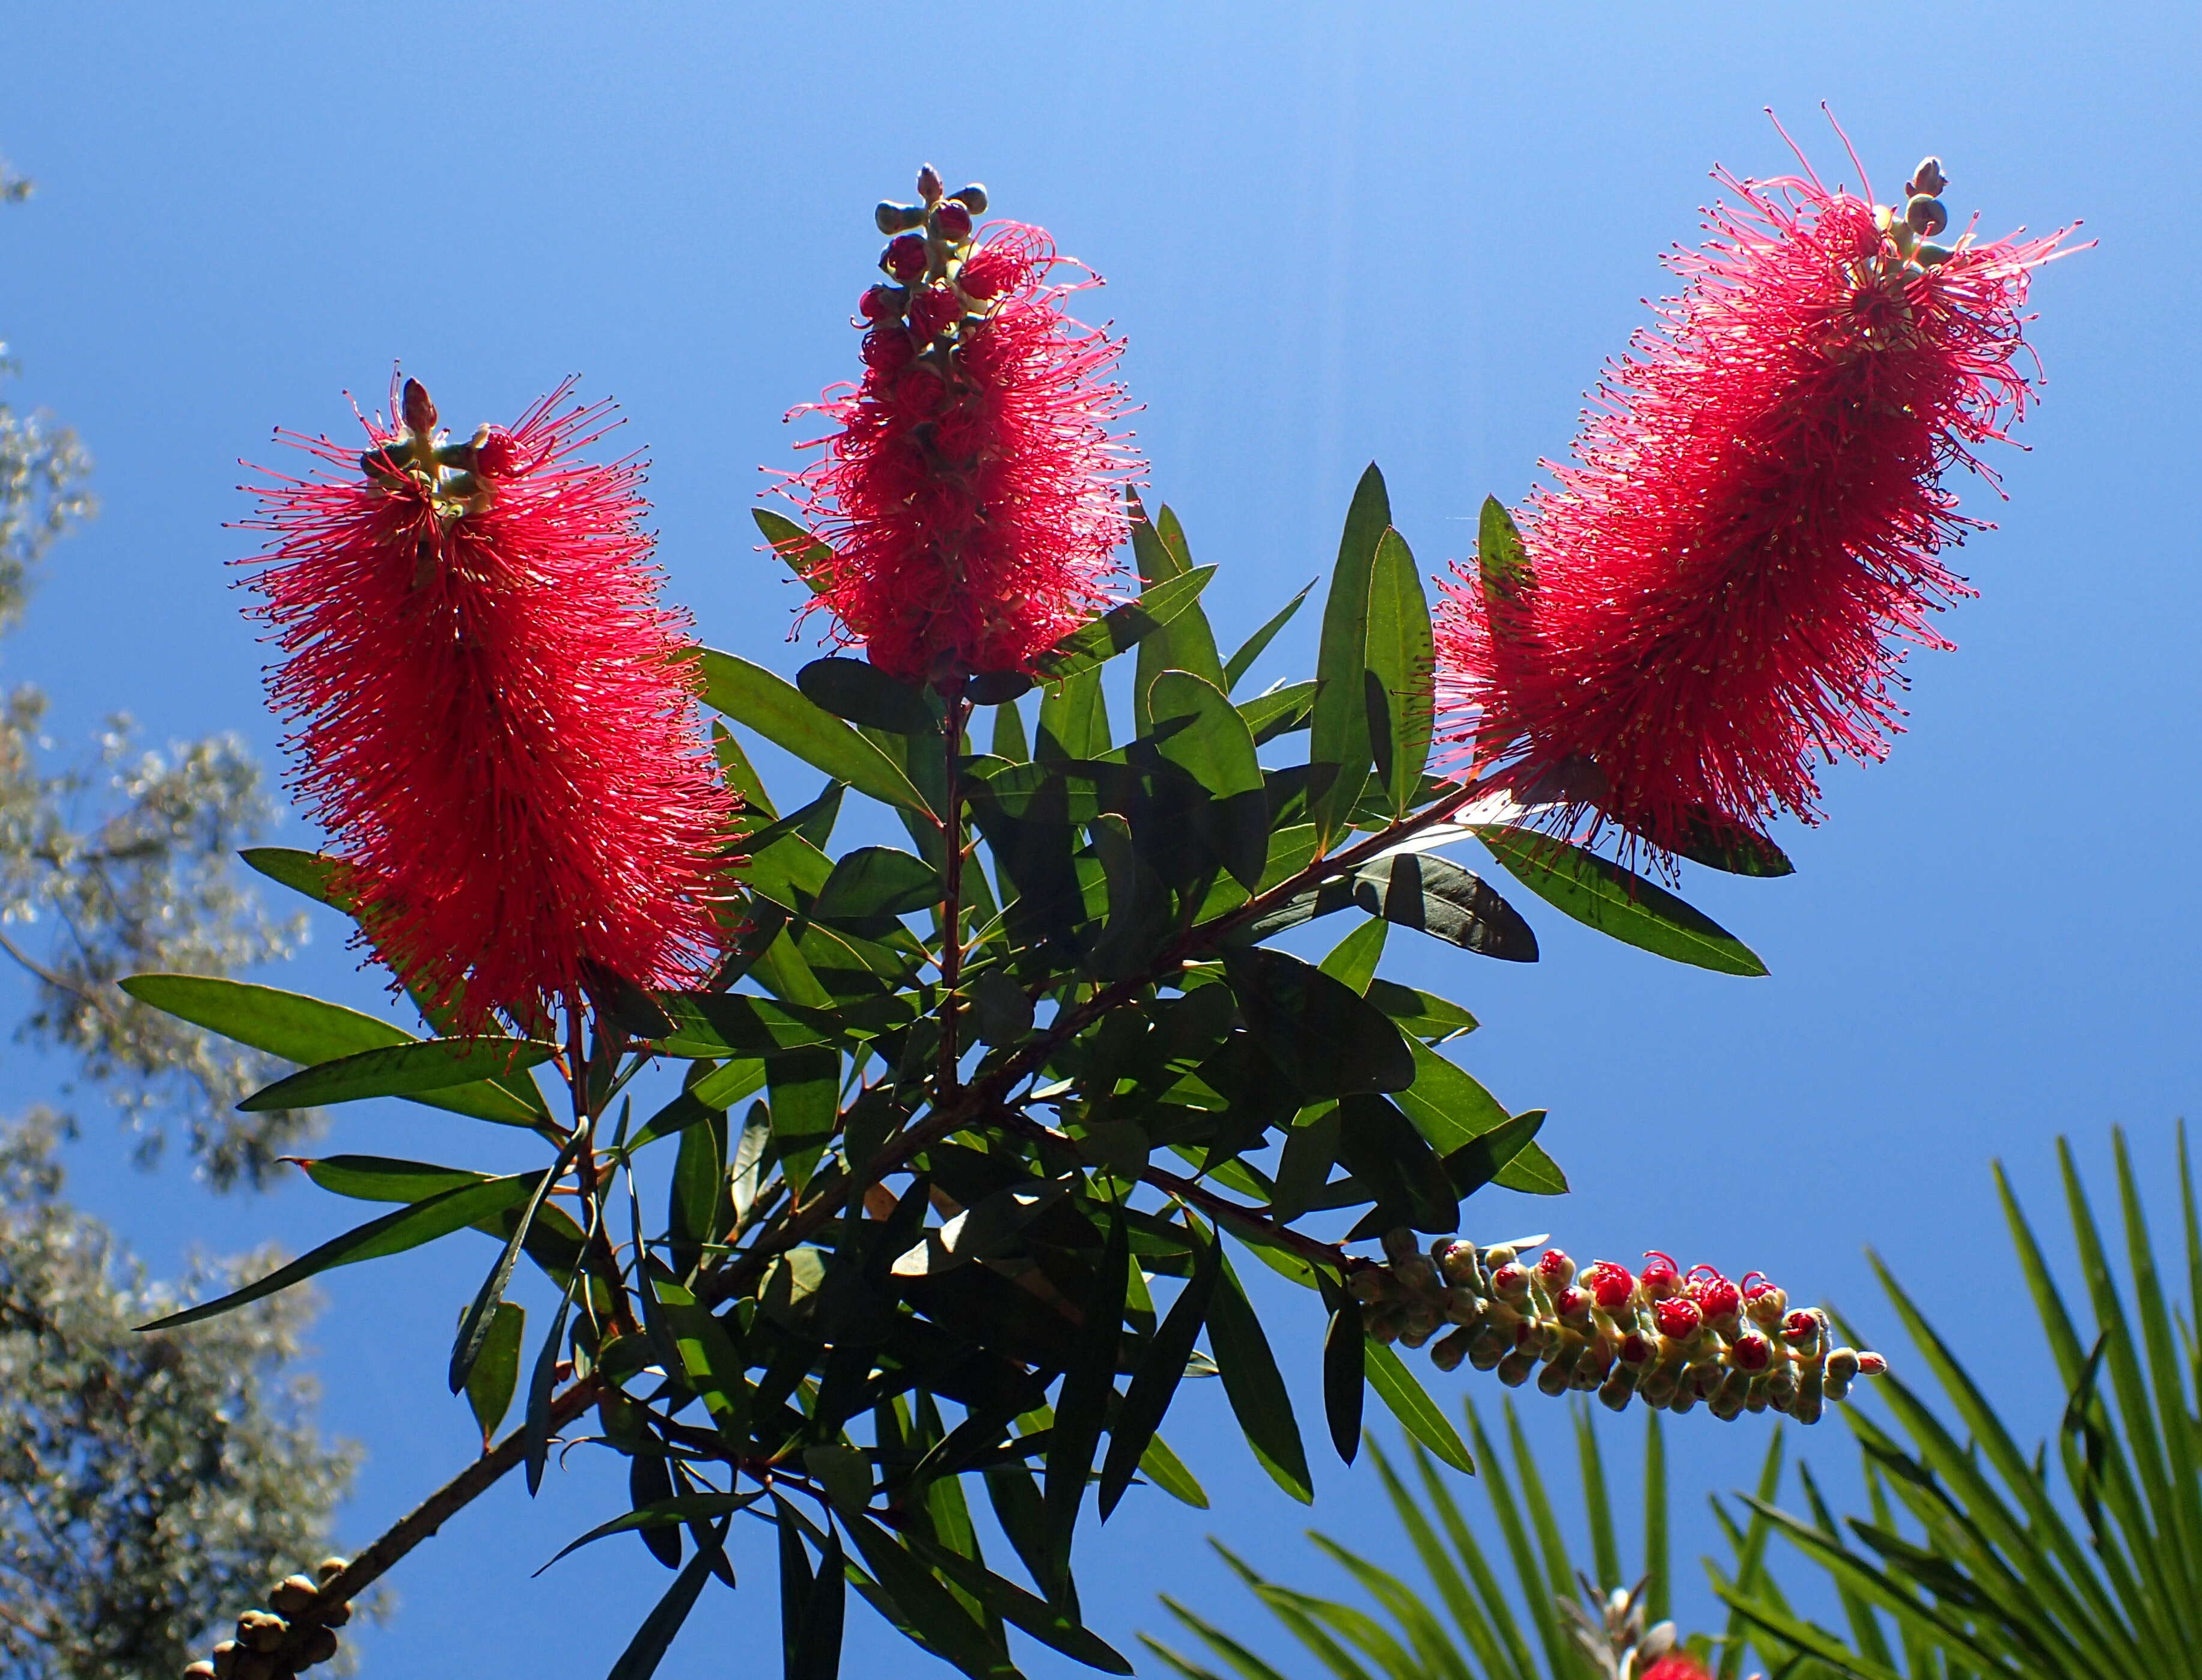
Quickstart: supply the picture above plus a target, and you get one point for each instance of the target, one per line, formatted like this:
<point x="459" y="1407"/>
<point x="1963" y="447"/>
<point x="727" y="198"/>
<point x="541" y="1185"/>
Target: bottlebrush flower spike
<point x="1718" y="592"/>
<point x="1627" y="1337"/>
<point x="973" y="493"/>
<point x="492" y="714"/>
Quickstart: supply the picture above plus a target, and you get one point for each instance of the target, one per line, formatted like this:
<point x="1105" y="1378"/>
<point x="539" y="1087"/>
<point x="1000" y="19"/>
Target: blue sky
<point x="1409" y="232"/>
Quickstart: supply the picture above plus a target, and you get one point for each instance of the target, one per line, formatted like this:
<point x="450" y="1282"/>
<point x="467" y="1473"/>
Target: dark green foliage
<point x="1022" y="1085"/>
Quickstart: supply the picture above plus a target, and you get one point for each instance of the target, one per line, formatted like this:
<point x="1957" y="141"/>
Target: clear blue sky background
<point x="1411" y="233"/>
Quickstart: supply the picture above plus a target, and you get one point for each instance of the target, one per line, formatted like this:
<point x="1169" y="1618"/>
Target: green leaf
<point x="1339" y="747"/>
<point x="474" y="1324"/>
<point x="777" y="710"/>
<point x="307" y="1031"/>
<point x="399" y="1070"/>
<point x="1395" y="1167"/>
<point x="859" y="691"/>
<point x="1424" y="1014"/>
<point x="1081" y="1407"/>
<point x="1202" y="734"/>
<point x="804" y="1092"/>
<point x="1255" y="1388"/>
<point x="1122" y="627"/>
<point x="647" y="1647"/>
<point x="1402" y="656"/>
<point x="1501" y="559"/>
<point x="806" y="556"/>
<point x="1417" y="1413"/>
<point x="1185" y="643"/>
<point x="496" y="1373"/>
<point x="927" y="1611"/>
<point x="1279" y="711"/>
<point x="664" y="1513"/>
<point x="1048" y="1623"/>
<point x="811" y="1609"/>
<point x="1477" y="1162"/>
<point x="1618" y="903"/>
<point x="1168" y="1471"/>
<point x="873" y="883"/>
<point x="1324" y="1035"/>
<point x="1154" y="1384"/>
<point x="1073" y="719"/>
<point x="715" y="1024"/>
<point x="1352" y="961"/>
<point x="1343" y="1350"/>
<point x="1009" y="741"/>
<point x="1236" y="667"/>
<point x="1533" y="1172"/>
<point x="375" y="1178"/>
<point x="437" y="1215"/>
<point x="1447" y="1104"/>
<point x="1436" y="896"/>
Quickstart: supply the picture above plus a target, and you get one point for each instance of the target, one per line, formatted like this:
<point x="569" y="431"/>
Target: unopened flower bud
<point x="201" y="1669"/>
<point x="973" y="198"/>
<point x="1765" y="1302"/>
<point x="1447" y="1352"/>
<point x="1659" y="1278"/>
<point x="1928" y="178"/>
<point x="320" y="1646"/>
<point x="1464" y="1307"/>
<point x="1658" y="1639"/>
<point x="1509" y="1282"/>
<point x="933" y="309"/>
<point x="952" y="222"/>
<point x="1801" y="1329"/>
<point x="1491" y="1345"/>
<point x="1716" y="1298"/>
<point x="1555" y="1269"/>
<point x="1726" y="1401"/>
<point x="1926" y="216"/>
<point x="1499" y="1255"/>
<point x="1634" y="1349"/>
<point x="1677" y="1318"/>
<point x="1457" y="1265"/>
<point x="417" y="410"/>
<point x="1929" y="255"/>
<point x="929" y="184"/>
<point x="1368" y="1284"/>
<point x="1657" y="1387"/>
<point x="1610" y="1285"/>
<point x="1556" y="1377"/>
<point x="893" y="218"/>
<point x="1513" y="1370"/>
<point x="261" y="1630"/>
<point x="337" y="1615"/>
<point x="328" y="1569"/>
<point x="904" y="257"/>
<point x="1871" y="1364"/>
<point x="1418" y="1324"/>
<point x="1751" y="1352"/>
<point x="225" y="1659"/>
<point x="1614" y="1393"/>
<point x="1572" y="1303"/>
<point x="1843" y="1364"/>
<point x="882" y="302"/>
<point x="292" y="1594"/>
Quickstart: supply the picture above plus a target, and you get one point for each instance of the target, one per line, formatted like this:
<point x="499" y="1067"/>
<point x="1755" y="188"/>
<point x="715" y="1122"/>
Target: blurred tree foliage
<point x="145" y="1481"/>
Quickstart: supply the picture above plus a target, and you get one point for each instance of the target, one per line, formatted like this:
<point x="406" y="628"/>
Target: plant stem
<point x="801" y="1219"/>
<point x="431" y="1514"/>
<point x="952" y="906"/>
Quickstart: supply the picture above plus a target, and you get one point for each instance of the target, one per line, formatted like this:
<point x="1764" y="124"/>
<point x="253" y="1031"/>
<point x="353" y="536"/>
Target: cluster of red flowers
<point x="1669" y="1339"/>
<point x="972" y="495"/>
<point x="1718" y="591"/>
<point x="496" y="719"/>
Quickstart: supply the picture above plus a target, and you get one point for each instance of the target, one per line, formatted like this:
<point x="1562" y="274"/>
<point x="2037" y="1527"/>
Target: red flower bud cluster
<point x="972" y="492"/>
<point x="1670" y="1338"/>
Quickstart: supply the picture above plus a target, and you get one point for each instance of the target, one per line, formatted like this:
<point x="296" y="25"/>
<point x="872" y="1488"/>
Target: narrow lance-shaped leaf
<point x="1337" y="747"/>
<point x="776" y="709"/>
<point x="1123" y="627"/>
<point x="1154" y="1384"/>
<point x="1618" y="903"/>
<point x="438" y="1215"/>
<point x="399" y="1070"/>
<point x="1402" y="657"/>
<point x="1236" y="667"/>
<point x="1255" y="1388"/>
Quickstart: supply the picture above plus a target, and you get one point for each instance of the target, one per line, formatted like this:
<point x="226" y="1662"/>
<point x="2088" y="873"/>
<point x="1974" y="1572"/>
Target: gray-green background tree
<point x="147" y="1484"/>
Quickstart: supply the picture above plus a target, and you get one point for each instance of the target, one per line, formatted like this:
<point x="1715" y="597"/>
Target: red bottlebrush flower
<point x="1677" y="1317"/>
<point x="1660" y="1278"/>
<point x="493" y="716"/>
<point x="1676" y="1666"/>
<point x="1718" y="1298"/>
<point x="1719" y="588"/>
<point x="1751" y="1352"/>
<point x="972" y="494"/>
